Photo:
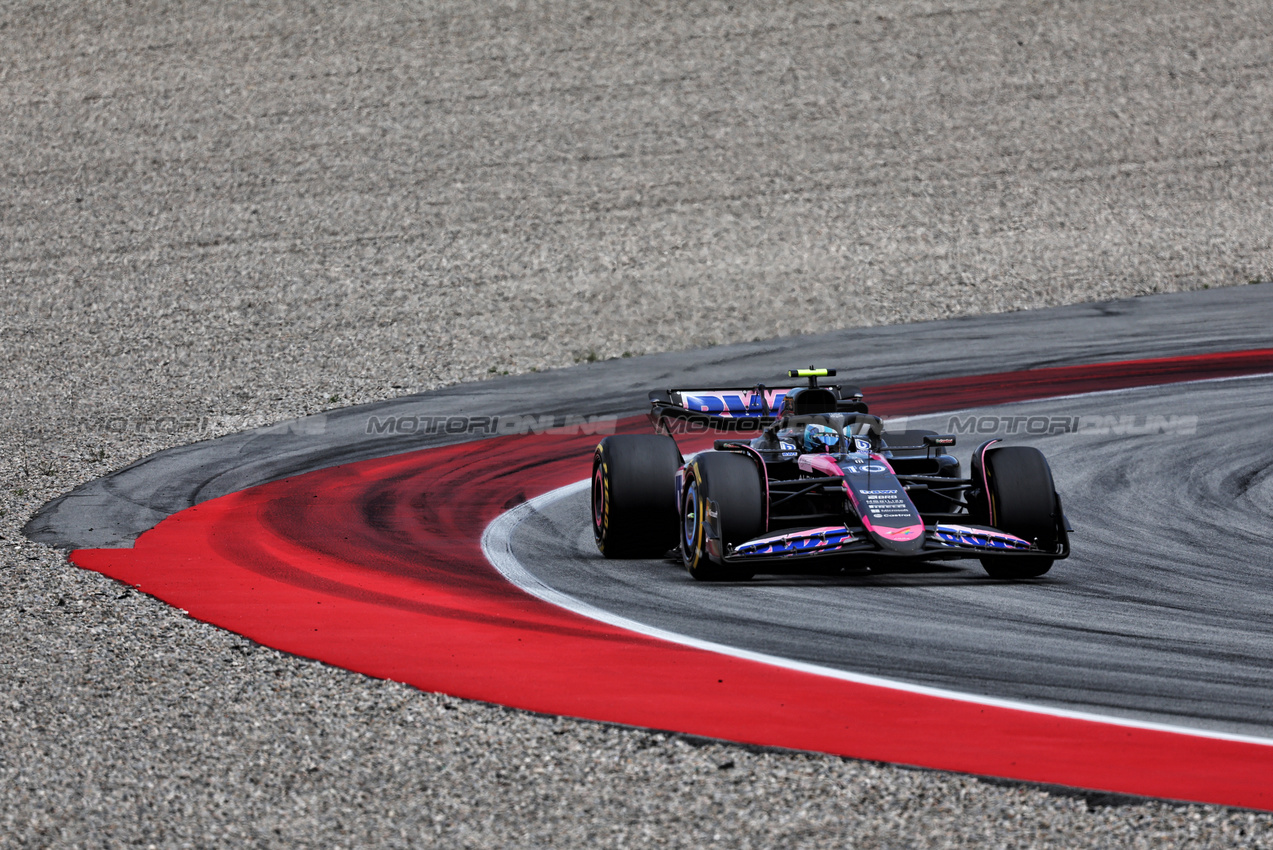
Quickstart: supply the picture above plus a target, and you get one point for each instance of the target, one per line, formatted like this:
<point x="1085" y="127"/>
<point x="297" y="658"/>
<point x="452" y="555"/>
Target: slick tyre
<point x="1021" y="500"/>
<point x="729" y="485"/>
<point x="634" y="495"/>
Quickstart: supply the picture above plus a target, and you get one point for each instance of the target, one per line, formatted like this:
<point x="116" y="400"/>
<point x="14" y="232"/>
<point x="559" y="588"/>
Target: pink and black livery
<point x="778" y="496"/>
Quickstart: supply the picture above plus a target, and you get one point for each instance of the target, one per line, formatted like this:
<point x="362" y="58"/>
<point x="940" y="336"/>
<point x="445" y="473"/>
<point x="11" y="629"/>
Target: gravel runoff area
<point x="215" y="215"/>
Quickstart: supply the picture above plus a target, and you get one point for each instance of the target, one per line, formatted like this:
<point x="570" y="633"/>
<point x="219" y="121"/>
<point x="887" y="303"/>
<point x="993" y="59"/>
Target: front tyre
<point x="1021" y="500"/>
<point x="729" y="486"/>
<point x="634" y="495"/>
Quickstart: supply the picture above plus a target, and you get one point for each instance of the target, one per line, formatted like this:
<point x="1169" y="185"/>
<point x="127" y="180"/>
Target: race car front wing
<point x="942" y="541"/>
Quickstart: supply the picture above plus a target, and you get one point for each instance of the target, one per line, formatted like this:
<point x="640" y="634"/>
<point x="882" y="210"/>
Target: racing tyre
<point x="634" y="495"/>
<point x="1021" y="501"/>
<point x="731" y="484"/>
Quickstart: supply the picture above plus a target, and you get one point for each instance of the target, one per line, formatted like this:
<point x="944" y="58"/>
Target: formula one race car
<point x="820" y="479"/>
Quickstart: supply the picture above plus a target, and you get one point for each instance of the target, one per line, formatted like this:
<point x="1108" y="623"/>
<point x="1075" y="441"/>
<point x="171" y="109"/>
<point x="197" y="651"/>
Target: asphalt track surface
<point x="1093" y="647"/>
<point x="1161" y="614"/>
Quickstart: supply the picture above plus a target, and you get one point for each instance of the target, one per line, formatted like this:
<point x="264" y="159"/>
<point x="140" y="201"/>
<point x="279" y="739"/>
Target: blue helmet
<point x="820" y="438"/>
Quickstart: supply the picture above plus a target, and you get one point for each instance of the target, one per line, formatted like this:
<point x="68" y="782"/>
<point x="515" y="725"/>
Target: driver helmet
<point x="820" y="438"/>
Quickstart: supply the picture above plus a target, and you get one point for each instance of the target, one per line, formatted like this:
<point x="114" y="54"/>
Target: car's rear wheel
<point x="730" y="485"/>
<point x="634" y="495"/>
<point x="1021" y="500"/>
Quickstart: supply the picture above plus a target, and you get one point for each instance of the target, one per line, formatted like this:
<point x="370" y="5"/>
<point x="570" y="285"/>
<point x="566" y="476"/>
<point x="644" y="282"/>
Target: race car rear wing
<point x="734" y="408"/>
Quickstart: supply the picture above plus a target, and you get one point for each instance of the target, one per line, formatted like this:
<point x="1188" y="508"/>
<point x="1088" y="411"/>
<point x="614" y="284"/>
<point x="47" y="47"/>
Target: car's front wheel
<point x="1021" y="500"/>
<point x="724" y="499"/>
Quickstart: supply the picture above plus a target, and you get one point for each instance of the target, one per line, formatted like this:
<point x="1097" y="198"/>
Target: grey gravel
<point x="217" y="215"/>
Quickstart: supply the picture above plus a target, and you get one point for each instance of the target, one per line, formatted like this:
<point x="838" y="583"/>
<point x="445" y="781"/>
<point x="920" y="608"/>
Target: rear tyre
<point x="634" y="495"/>
<point x="732" y="484"/>
<point x="1021" y="500"/>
